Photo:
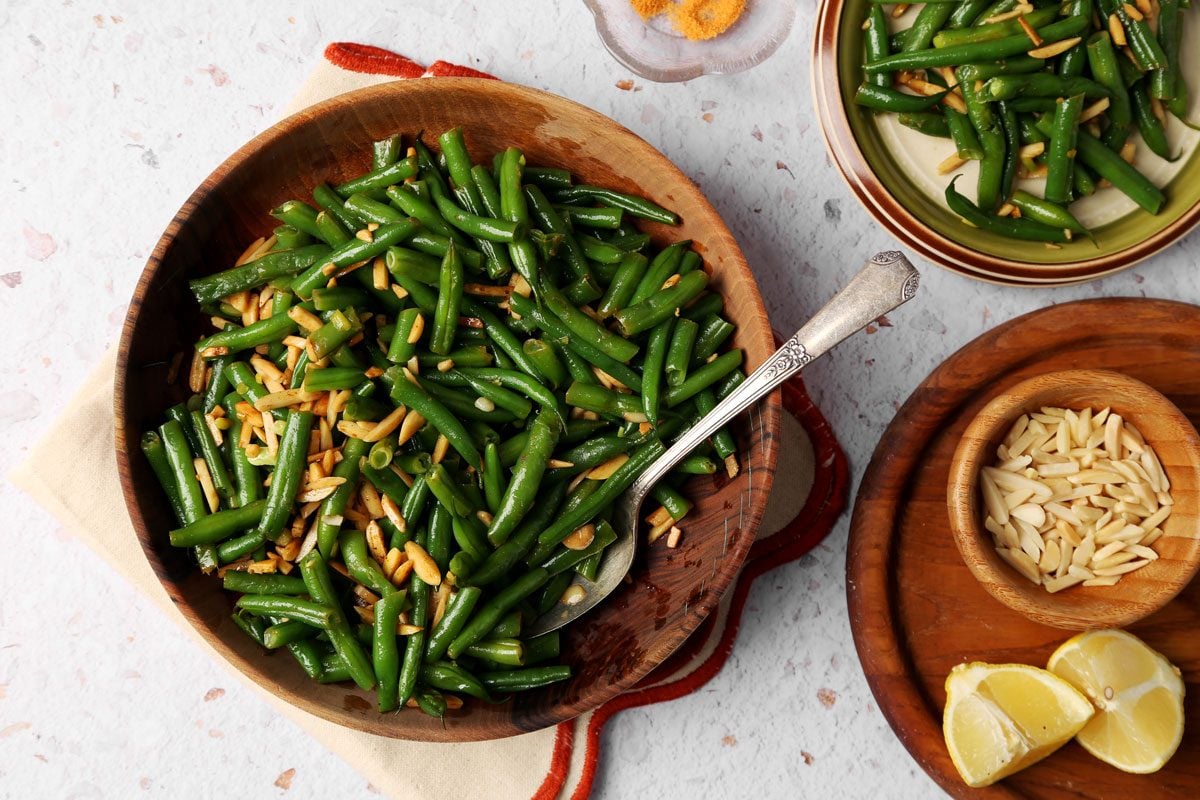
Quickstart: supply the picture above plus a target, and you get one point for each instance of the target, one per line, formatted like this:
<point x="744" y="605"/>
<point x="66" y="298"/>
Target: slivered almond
<point x="386" y="426"/>
<point x="949" y="164"/>
<point x="1095" y="109"/>
<point x="392" y="512"/>
<point x="1055" y="49"/>
<point x="1116" y="30"/>
<point x="1029" y="31"/>
<point x="412" y="423"/>
<point x="604" y="471"/>
<point x="424" y="565"/>
<point x="440" y="448"/>
<point x="580" y="538"/>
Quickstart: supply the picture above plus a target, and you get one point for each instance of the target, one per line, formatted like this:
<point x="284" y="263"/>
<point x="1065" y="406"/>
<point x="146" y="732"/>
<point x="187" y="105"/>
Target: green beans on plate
<point x="1076" y="93"/>
<point x="399" y="447"/>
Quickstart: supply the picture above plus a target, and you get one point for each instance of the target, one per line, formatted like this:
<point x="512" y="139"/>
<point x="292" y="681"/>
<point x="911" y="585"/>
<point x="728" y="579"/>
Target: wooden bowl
<point x="892" y="171"/>
<point x="635" y="629"/>
<point x="1138" y="593"/>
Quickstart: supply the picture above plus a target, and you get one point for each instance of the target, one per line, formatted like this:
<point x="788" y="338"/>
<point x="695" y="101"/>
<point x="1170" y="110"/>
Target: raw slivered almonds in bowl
<point x="1060" y="501"/>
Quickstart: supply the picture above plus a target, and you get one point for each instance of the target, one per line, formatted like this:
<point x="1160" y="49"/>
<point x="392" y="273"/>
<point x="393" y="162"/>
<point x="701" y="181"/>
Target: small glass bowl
<point x="654" y="50"/>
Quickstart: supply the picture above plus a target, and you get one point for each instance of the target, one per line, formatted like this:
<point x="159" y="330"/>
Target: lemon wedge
<point x="1138" y="694"/>
<point x="1000" y="718"/>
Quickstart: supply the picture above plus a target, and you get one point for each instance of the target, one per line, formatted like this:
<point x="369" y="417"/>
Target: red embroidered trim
<point x="560" y="762"/>
<point x="372" y="60"/>
<point x="444" y="69"/>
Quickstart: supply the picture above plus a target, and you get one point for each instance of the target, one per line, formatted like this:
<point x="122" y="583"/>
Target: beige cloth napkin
<point x="85" y="495"/>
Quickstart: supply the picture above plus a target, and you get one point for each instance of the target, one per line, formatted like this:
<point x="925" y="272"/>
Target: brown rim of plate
<point x="126" y="437"/>
<point x="944" y="252"/>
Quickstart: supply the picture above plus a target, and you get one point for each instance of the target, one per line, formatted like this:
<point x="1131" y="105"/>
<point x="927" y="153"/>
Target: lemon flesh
<point x="1001" y="718"/>
<point x="1138" y="695"/>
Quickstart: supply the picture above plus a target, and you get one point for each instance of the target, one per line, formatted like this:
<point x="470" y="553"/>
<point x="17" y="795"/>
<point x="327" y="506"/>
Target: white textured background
<point x="113" y="111"/>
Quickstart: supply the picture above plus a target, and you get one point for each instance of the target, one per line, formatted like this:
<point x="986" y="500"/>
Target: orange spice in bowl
<point x="698" y="20"/>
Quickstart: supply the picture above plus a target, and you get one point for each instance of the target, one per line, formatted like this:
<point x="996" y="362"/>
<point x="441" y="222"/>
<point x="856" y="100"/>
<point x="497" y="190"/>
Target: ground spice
<point x="695" y="19"/>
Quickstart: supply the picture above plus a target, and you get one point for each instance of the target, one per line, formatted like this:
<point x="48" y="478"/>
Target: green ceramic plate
<point x="894" y="172"/>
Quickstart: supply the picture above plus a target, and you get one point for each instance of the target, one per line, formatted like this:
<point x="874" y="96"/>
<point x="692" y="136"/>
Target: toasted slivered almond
<point x="573" y="595"/>
<point x="1029" y="31"/>
<point x="305" y="318"/>
<point x="211" y="498"/>
<point x="1054" y="49"/>
<point x="407" y="629"/>
<point x="658" y="530"/>
<point x="441" y="600"/>
<point x="604" y="471"/>
<point x="386" y="426"/>
<point x="196" y="373"/>
<point x="424" y="565"/>
<point x="580" y="538"/>
<point x="673" y="537"/>
<point x="319" y="489"/>
<point x="731" y="465"/>
<point x="484" y="404"/>
<point x="412" y="423"/>
<point x="249" y="253"/>
<point x="355" y="430"/>
<point x="440" y="448"/>
<point x="283" y="399"/>
<point x="402" y="573"/>
<point x="375" y="544"/>
<point x="371" y="499"/>
<point x="392" y="512"/>
<point x="955" y="101"/>
<point x="1133" y="12"/>
<point x="1033" y="150"/>
<point x="1095" y="109"/>
<point x="392" y="561"/>
<point x="949" y="164"/>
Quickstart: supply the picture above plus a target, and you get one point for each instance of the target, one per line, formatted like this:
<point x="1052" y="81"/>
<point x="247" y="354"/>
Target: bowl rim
<point x="126" y="439"/>
<point x="974" y="544"/>
<point x="856" y="171"/>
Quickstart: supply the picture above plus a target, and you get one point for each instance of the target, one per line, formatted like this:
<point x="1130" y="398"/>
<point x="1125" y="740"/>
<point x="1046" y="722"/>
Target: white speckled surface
<point x="113" y="111"/>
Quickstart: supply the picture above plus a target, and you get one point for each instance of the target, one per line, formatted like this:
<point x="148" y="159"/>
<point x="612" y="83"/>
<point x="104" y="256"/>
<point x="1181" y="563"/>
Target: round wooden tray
<point x="915" y="608"/>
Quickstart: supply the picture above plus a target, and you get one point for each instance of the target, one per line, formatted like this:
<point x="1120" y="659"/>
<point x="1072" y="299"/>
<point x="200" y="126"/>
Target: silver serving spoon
<point x="887" y="281"/>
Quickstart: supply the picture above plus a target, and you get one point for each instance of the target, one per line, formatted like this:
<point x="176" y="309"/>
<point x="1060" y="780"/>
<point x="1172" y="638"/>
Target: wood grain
<point x="672" y="591"/>
<point x="915" y="608"/>
<point x="1164" y="427"/>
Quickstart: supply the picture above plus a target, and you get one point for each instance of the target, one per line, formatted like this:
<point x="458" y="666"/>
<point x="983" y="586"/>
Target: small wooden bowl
<point x="1138" y="594"/>
<point x="672" y="591"/>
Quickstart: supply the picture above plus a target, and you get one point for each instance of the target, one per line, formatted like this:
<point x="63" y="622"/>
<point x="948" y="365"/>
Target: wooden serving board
<point x="916" y="610"/>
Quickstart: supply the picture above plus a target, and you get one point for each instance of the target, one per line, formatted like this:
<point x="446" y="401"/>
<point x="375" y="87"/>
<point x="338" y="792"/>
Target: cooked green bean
<point x="971" y="53"/>
<point x="320" y="588"/>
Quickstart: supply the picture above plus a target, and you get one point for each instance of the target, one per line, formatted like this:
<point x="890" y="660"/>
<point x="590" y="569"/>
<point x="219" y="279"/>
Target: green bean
<point x="250" y="583"/>
<point x="486" y="618"/>
<point x="506" y="652"/>
<point x="991" y="137"/>
<point x="270" y="267"/>
<point x="156" y="455"/>
<point x="332" y="379"/>
<point x="653" y="310"/>
<point x="980" y="52"/>
<point x="404" y="340"/>
<point x="559" y="331"/>
<point x="179" y="458"/>
<point x="564" y="560"/>
<point x="253" y="627"/>
<point x="676" y="504"/>
<point x="338" y="297"/>
<point x="521" y="680"/>
<point x="1059" y="157"/>
<point x="1151" y="129"/>
<point x="1041" y="84"/>
<point x="704" y="377"/>
<point x="1010" y="227"/>
<point x="609" y="490"/>
<point x="307" y="611"/>
<point x="333" y="205"/>
<point x="591" y="397"/>
<point x="218" y="381"/>
<point x="408" y="393"/>
<point x="385" y="152"/>
<point x="1110" y="166"/>
<point x="930" y="19"/>
<point x="926" y="122"/>
<point x="285" y="480"/>
<point x="679" y="351"/>
<point x="330" y="513"/>
<point x="722" y="440"/>
<point x="1165" y="81"/>
<point x="883" y="98"/>
<point x="587" y="329"/>
<point x="385" y="651"/>
<point x="875" y="42"/>
<point x="453" y="678"/>
<point x="623" y="285"/>
<point x="606" y="218"/>
<point x="462" y="603"/>
<point x="286" y="632"/>
<point x="218" y="526"/>
<point x="1141" y="40"/>
<point x="414" y="646"/>
<point x="697" y="465"/>
<point x="637" y="206"/>
<point x="551" y="222"/>
<point x="1019" y="65"/>
<point x="966" y="13"/>
<point x="332" y="229"/>
<point x="446" y="491"/>
<point x="380" y="179"/>
<point x="521" y="491"/>
<point x="657" y="346"/>
<point x="993" y="30"/>
<point x="353" y="251"/>
<point x="299" y="216"/>
<point x="1046" y="212"/>
<point x="450" y="289"/>
<point x="361" y="566"/>
<point x="550" y="177"/>
<point x="714" y="332"/>
<point x="320" y="588"/>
